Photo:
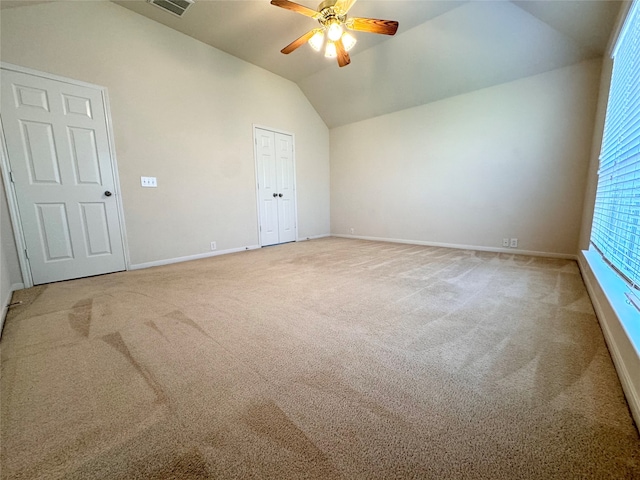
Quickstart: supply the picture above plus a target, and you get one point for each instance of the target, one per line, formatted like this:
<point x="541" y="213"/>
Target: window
<point x="616" y="222"/>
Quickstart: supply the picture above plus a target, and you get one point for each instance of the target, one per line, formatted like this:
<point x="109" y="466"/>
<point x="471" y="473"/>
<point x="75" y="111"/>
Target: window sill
<point x="620" y="323"/>
<point x="615" y="290"/>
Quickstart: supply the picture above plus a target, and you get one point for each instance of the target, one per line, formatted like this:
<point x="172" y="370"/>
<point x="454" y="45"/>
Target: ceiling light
<point x="333" y="20"/>
<point x="348" y="41"/>
<point x="334" y="32"/>
<point x="317" y="40"/>
<point x="330" y="50"/>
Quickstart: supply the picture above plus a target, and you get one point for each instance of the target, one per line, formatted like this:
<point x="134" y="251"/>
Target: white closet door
<point x="286" y="188"/>
<point x="276" y="187"/>
<point x="56" y="137"/>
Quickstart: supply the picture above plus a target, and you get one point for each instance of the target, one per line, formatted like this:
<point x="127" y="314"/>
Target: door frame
<point x="255" y="126"/>
<point x="9" y="186"/>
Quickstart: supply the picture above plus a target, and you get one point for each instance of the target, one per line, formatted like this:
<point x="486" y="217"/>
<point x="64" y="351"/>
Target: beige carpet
<point x="332" y="358"/>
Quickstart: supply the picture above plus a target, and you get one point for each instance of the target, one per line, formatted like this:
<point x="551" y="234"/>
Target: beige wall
<point x="182" y="112"/>
<point x="10" y="276"/>
<point x="594" y="162"/>
<point x="506" y="161"/>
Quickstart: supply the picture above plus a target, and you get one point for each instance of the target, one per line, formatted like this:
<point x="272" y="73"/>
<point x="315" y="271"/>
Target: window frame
<point x="615" y="228"/>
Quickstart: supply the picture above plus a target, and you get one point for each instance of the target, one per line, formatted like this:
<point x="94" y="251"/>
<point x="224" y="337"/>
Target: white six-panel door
<point x="60" y="160"/>
<point x="276" y="187"/>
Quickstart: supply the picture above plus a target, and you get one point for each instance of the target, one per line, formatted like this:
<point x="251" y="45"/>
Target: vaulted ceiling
<point x="442" y="48"/>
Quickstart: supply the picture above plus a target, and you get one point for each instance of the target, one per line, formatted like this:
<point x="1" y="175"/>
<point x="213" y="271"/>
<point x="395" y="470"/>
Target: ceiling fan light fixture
<point x="334" y="23"/>
<point x="334" y="31"/>
<point x="348" y="41"/>
<point x="317" y="40"/>
<point x="330" y="50"/>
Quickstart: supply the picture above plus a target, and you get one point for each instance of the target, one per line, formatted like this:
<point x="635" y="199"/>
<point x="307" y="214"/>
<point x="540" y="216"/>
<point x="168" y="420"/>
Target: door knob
<point x="280" y="195"/>
<point x="275" y="195"/>
<point x="107" y="193"/>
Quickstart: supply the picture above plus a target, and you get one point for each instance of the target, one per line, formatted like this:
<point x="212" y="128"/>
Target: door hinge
<point x="11" y="177"/>
<point x="260" y="227"/>
<point x="26" y="253"/>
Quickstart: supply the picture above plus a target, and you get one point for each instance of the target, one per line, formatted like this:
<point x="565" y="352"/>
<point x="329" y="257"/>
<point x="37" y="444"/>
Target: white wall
<point x="10" y="276"/>
<point x="506" y="161"/>
<point x="182" y="112"/>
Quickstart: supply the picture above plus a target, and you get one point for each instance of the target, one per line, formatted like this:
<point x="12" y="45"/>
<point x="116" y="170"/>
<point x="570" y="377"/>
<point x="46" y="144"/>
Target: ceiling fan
<point x="332" y="17"/>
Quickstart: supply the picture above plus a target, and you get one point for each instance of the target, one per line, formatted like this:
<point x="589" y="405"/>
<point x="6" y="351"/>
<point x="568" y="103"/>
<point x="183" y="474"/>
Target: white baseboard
<point x="188" y="258"/>
<point x="626" y="380"/>
<point x="7" y="301"/>
<point x="314" y="237"/>
<point x="513" y="251"/>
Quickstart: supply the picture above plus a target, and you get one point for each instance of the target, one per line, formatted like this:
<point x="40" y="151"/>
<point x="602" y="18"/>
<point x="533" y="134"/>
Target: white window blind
<point x="616" y="223"/>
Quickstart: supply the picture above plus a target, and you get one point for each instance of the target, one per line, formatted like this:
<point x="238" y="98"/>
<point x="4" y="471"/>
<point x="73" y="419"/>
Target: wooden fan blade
<point x="343" y="6"/>
<point x="298" y="42"/>
<point x="295" y="7"/>
<point x="343" y="55"/>
<point x="373" y="25"/>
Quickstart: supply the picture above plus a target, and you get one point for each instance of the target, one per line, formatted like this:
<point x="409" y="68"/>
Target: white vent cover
<point x="175" y="7"/>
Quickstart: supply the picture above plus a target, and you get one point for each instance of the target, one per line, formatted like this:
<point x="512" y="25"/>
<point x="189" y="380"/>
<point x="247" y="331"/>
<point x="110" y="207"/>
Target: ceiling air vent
<point x="175" y="7"/>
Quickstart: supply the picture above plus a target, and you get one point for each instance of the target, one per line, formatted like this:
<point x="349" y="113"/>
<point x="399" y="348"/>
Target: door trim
<point x="256" y="126"/>
<point x="9" y="186"/>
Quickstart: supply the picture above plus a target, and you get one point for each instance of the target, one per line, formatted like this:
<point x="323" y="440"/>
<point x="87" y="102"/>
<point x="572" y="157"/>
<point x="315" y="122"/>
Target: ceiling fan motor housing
<point x="328" y="15"/>
<point x="326" y="4"/>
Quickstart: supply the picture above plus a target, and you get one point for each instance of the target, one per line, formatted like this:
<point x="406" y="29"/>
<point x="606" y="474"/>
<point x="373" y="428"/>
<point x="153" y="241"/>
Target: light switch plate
<point x="148" y="181"/>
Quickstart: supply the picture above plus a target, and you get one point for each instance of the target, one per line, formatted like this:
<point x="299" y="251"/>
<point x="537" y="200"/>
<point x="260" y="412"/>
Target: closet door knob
<point x="280" y="195"/>
<point x="107" y="193"/>
<point x="275" y="195"/>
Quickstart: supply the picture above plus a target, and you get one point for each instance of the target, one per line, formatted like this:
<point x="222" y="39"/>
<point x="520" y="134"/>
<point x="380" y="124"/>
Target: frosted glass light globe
<point x="317" y="40"/>
<point x="330" y="50"/>
<point x="334" y="32"/>
<point x="348" y="41"/>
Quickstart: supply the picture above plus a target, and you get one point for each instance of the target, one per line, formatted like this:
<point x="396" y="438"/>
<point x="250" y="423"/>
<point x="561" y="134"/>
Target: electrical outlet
<point x="352" y="231"/>
<point x="213" y="245"/>
<point x="505" y="242"/>
<point x="514" y="243"/>
<point x="148" y="181"/>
